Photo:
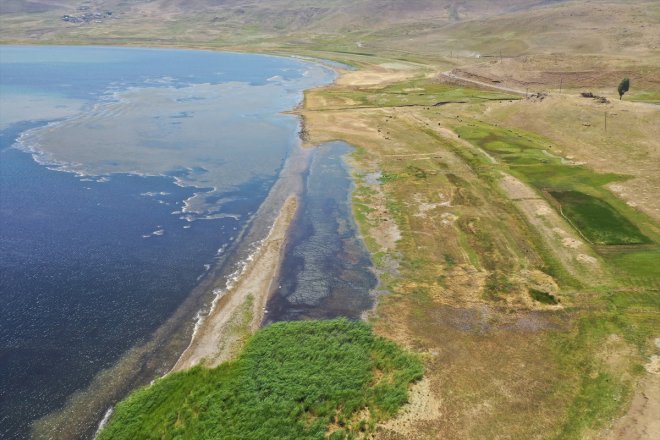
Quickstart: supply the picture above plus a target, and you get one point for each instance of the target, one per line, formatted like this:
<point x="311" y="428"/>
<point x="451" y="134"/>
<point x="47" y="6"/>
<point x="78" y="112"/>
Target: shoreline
<point x="118" y="381"/>
<point x="239" y="311"/>
<point x="252" y="265"/>
<point x="246" y="292"/>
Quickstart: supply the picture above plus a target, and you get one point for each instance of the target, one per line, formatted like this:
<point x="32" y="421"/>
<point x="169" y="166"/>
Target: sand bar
<point x="240" y="310"/>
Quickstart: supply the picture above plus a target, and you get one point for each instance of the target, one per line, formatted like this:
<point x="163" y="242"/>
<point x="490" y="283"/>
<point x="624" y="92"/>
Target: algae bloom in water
<point x="294" y="380"/>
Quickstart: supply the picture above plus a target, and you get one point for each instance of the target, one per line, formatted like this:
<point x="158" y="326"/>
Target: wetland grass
<point x="294" y="380"/>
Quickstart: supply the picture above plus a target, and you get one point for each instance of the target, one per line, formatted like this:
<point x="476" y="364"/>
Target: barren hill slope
<point x="288" y="15"/>
<point x="460" y="27"/>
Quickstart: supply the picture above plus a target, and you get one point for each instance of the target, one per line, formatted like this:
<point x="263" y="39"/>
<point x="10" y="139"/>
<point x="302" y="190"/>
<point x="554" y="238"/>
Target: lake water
<point x="326" y="269"/>
<point x="130" y="180"/>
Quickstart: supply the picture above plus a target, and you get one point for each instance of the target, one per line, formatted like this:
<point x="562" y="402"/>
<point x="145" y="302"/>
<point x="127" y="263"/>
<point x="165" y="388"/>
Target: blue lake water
<point x="133" y="183"/>
<point x="168" y="155"/>
<point x="80" y="284"/>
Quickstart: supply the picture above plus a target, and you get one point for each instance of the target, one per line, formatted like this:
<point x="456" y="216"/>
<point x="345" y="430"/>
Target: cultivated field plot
<point x="596" y="220"/>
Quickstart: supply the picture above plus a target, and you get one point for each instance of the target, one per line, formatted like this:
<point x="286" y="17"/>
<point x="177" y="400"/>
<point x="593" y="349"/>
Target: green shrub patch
<point x="294" y="380"/>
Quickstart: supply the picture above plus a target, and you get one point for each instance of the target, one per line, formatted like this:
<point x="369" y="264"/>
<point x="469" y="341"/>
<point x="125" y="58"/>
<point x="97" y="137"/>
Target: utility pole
<point x="500" y="56"/>
<point x="605" y="122"/>
<point x="561" y="83"/>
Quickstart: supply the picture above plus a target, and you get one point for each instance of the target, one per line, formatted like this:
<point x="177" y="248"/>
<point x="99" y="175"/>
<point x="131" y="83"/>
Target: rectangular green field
<point x="597" y="220"/>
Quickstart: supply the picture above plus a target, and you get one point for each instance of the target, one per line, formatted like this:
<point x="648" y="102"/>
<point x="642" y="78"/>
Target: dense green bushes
<point x="294" y="380"/>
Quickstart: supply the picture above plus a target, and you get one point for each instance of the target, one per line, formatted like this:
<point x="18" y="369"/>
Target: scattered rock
<point x="653" y="366"/>
<point x="599" y="99"/>
<point x="447" y="218"/>
<point x="571" y="243"/>
<point x="543" y="211"/>
<point x="87" y="17"/>
<point x="538" y="96"/>
<point x="586" y="259"/>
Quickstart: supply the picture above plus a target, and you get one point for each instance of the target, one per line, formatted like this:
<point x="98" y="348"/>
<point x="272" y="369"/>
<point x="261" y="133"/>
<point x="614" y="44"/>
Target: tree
<point x="624" y="86"/>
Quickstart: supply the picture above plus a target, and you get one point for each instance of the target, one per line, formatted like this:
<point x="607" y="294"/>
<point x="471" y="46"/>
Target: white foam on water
<point x="104" y="421"/>
<point x="217" y="295"/>
<point x="154" y="194"/>
<point x="156" y="233"/>
<point x="26" y="143"/>
<point x="198" y="322"/>
<point x="218" y="292"/>
<point x="236" y="217"/>
<point x="161" y="80"/>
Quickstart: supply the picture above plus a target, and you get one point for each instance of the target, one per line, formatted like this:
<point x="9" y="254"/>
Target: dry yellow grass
<point x="576" y="128"/>
<point x="492" y="368"/>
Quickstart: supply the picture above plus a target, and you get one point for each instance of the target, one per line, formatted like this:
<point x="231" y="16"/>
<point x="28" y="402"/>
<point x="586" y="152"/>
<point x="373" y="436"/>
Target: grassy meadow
<point x="558" y="326"/>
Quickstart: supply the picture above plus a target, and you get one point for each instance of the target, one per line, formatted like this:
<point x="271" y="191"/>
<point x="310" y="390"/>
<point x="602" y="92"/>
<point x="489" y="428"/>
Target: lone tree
<point x="624" y="86"/>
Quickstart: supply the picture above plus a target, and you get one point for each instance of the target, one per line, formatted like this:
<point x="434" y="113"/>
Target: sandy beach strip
<point x="240" y="310"/>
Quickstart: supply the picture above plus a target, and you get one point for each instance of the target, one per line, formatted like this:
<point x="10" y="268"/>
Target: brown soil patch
<point x="375" y="75"/>
<point x="641" y="422"/>
<point x="550" y="72"/>
<point x="555" y="232"/>
<point x="422" y="407"/>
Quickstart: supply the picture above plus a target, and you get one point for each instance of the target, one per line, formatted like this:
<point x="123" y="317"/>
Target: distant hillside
<point x="428" y="27"/>
<point x="538" y="43"/>
<point x="287" y="15"/>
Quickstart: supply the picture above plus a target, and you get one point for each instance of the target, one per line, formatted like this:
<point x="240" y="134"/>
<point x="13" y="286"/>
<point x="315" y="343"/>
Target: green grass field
<point x="593" y="211"/>
<point x="294" y="380"/>
<point x="648" y="97"/>
<point x="417" y="92"/>
<point x="597" y="220"/>
<point x="599" y="381"/>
